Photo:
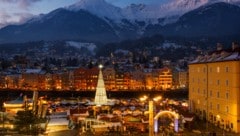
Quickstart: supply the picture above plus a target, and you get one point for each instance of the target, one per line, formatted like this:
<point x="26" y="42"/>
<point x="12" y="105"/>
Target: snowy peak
<point x="98" y="7"/>
<point x="179" y="7"/>
<point x="141" y="12"/>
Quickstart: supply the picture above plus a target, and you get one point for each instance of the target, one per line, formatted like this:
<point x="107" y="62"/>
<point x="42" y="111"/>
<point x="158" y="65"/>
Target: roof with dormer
<point x="218" y="56"/>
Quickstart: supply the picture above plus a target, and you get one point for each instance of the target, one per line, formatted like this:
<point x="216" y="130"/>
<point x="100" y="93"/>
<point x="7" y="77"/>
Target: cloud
<point x="22" y="3"/>
<point x="4" y="18"/>
<point x="14" y="18"/>
<point x="23" y="17"/>
<point x="18" y="13"/>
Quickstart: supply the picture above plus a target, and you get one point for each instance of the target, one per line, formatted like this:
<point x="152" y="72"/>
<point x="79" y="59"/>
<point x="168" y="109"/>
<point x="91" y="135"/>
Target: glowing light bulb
<point x="100" y="66"/>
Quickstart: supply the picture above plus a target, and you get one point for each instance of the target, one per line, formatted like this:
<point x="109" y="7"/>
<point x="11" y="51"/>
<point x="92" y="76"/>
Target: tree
<point x="26" y="122"/>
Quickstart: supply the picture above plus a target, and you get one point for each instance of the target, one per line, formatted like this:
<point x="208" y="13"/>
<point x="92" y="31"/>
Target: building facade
<point x="214" y="88"/>
<point x="85" y="79"/>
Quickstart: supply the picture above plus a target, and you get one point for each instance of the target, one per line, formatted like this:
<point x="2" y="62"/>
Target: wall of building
<point x="214" y="92"/>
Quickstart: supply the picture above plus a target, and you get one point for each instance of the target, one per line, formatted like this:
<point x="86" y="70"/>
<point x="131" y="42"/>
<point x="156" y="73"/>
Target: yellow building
<point x="165" y="78"/>
<point x="214" y="88"/>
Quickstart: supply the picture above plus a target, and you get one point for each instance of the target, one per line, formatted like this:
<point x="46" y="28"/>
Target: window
<point x="218" y="107"/>
<point x="218" y="94"/>
<point x="218" y="82"/>
<point x="218" y="69"/>
<point x="227" y="109"/>
<point x="210" y="105"/>
<point x="198" y="69"/>
<point x="227" y="95"/>
<point x="198" y="90"/>
<point x="226" y="69"/>
<point x="210" y="82"/>
<point x="226" y="82"/>
<point x="210" y="70"/>
<point x="210" y="93"/>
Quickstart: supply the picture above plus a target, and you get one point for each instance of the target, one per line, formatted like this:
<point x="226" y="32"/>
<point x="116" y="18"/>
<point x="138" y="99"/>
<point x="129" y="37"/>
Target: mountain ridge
<point x="74" y="23"/>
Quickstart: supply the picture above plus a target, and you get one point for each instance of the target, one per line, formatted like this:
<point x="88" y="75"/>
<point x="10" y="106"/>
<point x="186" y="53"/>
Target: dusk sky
<point x="20" y="10"/>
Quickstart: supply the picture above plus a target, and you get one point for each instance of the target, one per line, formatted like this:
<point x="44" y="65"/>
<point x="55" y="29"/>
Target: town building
<point x="109" y="78"/>
<point x="164" y="78"/>
<point x="214" y="87"/>
<point x="85" y="79"/>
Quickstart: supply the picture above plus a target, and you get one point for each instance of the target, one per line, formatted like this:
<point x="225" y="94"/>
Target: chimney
<point x="235" y="45"/>
<point x="219" y="46"/>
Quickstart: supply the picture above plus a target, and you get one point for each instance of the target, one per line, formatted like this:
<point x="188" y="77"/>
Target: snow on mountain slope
<point x="172" y="8"/>
<point x="170" y="11"/>
<point x="98" y="7"/>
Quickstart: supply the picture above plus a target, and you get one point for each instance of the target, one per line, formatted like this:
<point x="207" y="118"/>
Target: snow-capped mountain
<point x="99" y="21"/>
<point x="212" y="20"/>
<point x="98" y="7"/>
<point x="139" y="12"/>
<point x="142" y="12"/>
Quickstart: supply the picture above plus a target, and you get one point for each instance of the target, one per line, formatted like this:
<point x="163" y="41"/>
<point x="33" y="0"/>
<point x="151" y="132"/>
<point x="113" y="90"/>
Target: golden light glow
<point x="144" y="98"/>
<point x="12" y="105"/>
<point x="218" y="117"/>
<point x="157" y="98"/>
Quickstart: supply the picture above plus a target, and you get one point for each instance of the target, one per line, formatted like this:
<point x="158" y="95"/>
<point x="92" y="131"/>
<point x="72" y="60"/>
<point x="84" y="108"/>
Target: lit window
<point x="198" y="69"/>
<point x="218" y="69"/>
